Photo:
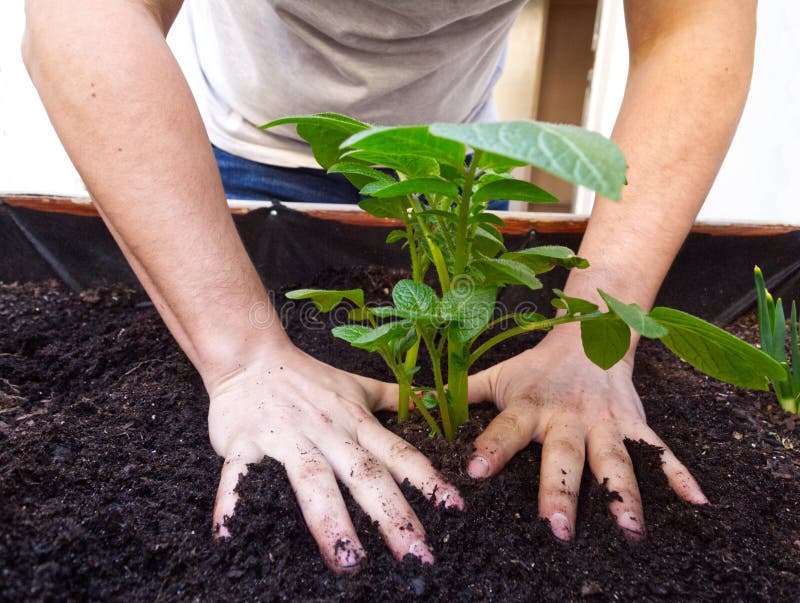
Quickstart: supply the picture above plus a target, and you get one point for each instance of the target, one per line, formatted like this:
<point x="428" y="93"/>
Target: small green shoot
<point x="772" y="328"/>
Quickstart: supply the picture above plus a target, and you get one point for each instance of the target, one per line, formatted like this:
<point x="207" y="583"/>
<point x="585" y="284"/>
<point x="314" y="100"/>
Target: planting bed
<point x="107" y="480"/>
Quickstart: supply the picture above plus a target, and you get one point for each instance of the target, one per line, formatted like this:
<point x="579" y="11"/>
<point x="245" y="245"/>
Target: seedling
<point x="436" y="182"/>
<point x="772" y="328"/>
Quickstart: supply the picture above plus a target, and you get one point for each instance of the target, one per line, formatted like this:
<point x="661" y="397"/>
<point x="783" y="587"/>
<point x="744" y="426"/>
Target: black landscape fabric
<point x="712" y="276"/>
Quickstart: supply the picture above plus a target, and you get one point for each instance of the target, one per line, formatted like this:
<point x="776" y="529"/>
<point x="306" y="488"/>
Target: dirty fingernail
<point x="348" y="553"/>
<point x="452" y="500"/>
<point x="633" y="528"/>
<point x="559" y="524"/>
<point x="420" y="550"/>
<point x="478" y="467"/>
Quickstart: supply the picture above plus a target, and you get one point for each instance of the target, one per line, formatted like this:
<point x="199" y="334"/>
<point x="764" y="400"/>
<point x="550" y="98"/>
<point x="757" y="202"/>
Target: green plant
<point x="772" y="328"/>
<point x="438" y="191"/>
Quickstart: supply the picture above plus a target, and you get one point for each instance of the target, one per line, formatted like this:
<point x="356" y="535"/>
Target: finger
<point x="480" y="386"/>
<point x="406" y="462"/>
<point x="679" y="477"/>
<point x="232" y="469"/>
<point x="563" y="455"/>
<point x="379" y="394"/>
<point x="508" y="433"/>
<point x="323" y="508"/>
<point x="376" y="492"/>
<point x="611" y="466"/>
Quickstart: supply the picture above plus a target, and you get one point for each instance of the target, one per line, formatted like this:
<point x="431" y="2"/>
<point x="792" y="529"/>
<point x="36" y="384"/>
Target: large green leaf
<point x="394" y="207"/>
<point x="410" y="165"/>
<point x="468" y="309"/>
<point x="513" y="190"/>
<point x="605" y="340"/>
<point x="636" y="318"/>
<point x="412" y="140"/>
<point x="498" y="272"/>
<point x="716" y="352"/>
<point x="414" y="298"/>
<point x="569" y="152"/>
<point x="327" y="299"/>
<point x="546" y="257"/>
<point x="423" y="186"/>
<point x="325" y="132"/>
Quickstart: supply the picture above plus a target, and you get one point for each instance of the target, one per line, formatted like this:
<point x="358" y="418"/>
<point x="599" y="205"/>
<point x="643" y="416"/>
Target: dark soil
<point x="107" y="482"/>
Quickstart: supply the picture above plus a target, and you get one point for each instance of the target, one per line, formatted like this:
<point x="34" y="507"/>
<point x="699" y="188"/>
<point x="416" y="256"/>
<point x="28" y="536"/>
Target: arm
<point x="690" y="69"/>
<point x="128" y="121"/>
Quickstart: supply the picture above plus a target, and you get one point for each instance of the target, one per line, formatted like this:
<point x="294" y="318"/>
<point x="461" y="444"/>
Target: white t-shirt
<point x="382" y="61"/>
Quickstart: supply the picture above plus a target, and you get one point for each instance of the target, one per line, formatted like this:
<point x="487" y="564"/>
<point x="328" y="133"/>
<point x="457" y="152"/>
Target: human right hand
<point x="317" y="421"/>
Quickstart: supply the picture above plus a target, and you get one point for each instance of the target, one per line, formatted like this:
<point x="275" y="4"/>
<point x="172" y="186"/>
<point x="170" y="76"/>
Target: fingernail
<point x="478" y="467"/>
<point x="452" y="500"/>
<point x="698" y="498"/>
<point x="221" y="532"/>
<point x="420" y="550"/>
<point x="633" y="528"/>
<point x="348" y="553"/>
<point x="559" y="524"/>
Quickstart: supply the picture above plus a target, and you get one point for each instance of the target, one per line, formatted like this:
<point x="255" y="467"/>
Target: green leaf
<point x="328" y="120"/>
<point x="573" y="305"/>
<point x="360" y="314"/>
<point x="488" y="241"/>
<point x="422" y="186"/>
<point x="429" y="400"/>
<point x="498" y="163"/>
<point x="469" y="310"/>
<point x="413" y="140"/>
<point x="385" y="208"/>
<point x="513" y="190"/>
<point x="367" y="338"/>
<point x="327" y="299"/>
<point x="325" y="132"/>
<point x="352" y="168"/>
<point x="414" y="298"/>
<point x="395" y="236"/>
<point x="716" y="352"/>
<point x="497" y="272"/>
<point x="605" y="340"/>
<point x="410" y="165"/>
<point x="484" y="217"/>
<point x="569" y="152"/>
<point x="546" y="257"/>
<point x="636" y="318"/>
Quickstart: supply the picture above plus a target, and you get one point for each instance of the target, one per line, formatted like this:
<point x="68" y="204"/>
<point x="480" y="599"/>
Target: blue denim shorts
<point x="246" y="179"/>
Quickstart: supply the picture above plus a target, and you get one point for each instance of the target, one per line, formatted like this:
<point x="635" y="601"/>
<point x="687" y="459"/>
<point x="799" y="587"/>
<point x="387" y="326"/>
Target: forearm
<point x="127" y="119"/>
<point x="685" y="93"/>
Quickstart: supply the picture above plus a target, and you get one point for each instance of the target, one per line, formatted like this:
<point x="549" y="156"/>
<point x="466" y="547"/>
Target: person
<point x="128" y="120"/>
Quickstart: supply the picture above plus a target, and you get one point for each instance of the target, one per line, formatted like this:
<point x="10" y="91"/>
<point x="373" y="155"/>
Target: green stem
<point x="436" y="361"/>
<point x="438" y="258"/>
<point x="403" y="397"/>
<point x="533" y="326"/>
<point x="461" y="253"/>
<point x="428" y="418"/>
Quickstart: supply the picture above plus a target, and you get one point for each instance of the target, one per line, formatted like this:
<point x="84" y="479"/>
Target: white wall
<point x="758" y="181"/>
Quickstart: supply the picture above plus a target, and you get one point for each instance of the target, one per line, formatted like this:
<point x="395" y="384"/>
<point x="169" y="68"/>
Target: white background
<point x="758" y="182"/>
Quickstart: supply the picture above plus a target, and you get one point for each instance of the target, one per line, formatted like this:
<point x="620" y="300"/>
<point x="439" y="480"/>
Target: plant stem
<point x="533" y="326"/>
<point x="436" y="361"/>
<point x="460" y="258"/>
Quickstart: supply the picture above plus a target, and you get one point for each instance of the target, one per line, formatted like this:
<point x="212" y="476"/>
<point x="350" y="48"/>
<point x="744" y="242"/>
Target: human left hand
<point x="554" y="395"/>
